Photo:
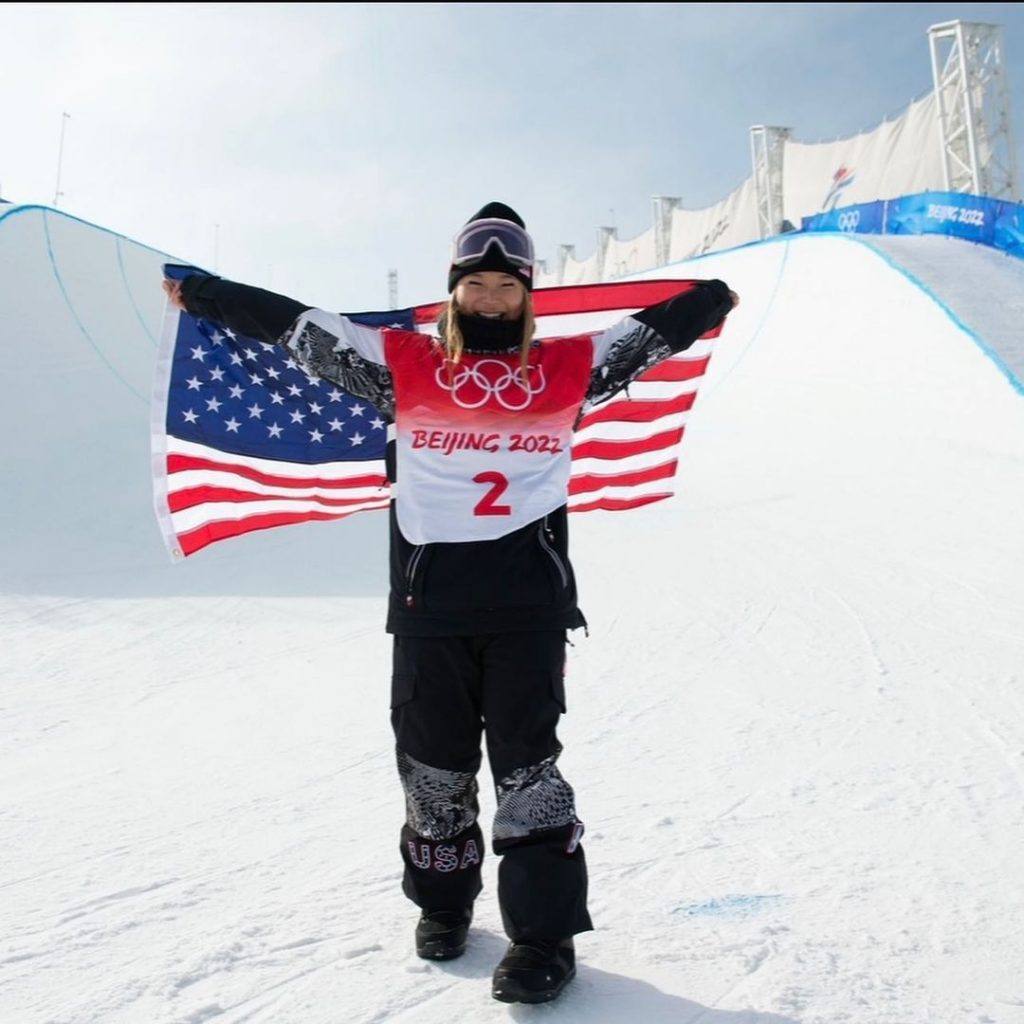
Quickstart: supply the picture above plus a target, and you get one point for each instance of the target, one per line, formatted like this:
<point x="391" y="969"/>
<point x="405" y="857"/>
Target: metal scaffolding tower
<point x="663" y="207"/>
<point x="973" y="101"/>
<point x="565" y="253"/>
<point x="766" y="152"/>
<point x="605" y="234"/>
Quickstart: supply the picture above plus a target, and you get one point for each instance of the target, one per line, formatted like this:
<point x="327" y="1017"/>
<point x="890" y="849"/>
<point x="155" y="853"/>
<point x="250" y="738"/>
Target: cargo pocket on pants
<point x="403" y="689"/>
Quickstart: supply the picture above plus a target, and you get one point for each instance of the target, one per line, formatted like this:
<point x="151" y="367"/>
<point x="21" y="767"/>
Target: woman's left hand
<point x="173" y="290"/>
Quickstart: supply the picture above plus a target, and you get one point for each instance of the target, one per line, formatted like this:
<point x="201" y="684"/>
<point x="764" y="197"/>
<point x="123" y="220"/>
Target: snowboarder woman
<point x="482" y="590"/>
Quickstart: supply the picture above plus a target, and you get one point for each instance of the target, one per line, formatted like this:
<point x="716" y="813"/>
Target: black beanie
<point x="493" y="258"/>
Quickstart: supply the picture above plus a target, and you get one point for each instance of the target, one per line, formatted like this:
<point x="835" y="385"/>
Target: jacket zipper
<point x="410" y="574"/>
<point x="546" y="537"/>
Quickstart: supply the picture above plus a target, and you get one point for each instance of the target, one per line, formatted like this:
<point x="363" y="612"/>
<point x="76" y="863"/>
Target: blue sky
<point x="312" y="148"/>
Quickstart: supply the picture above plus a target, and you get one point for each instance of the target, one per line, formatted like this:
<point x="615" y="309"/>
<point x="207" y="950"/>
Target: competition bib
<point x="481" y="451"/>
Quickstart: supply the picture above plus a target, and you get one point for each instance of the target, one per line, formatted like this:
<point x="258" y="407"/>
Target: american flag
<point x="244" y="439"/>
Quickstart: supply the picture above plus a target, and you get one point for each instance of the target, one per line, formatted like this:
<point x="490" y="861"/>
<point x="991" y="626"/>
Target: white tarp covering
<point x="899" y="157"/>
<point x="731" y="222"/>
<point x="576" y="272"/>
<point x="629" y="257"/>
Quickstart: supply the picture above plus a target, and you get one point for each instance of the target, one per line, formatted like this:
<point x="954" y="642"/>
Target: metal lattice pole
<point x="663" y="207"/>
<point x="973" y="108"/>
<point x="767" y="146"/>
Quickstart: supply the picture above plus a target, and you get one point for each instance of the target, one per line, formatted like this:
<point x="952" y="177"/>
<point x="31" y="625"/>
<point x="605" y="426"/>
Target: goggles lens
<point x="473" y="241"/>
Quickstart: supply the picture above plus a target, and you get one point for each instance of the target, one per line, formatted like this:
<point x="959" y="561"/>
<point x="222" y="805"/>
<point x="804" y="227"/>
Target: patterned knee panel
<point x="533" y="799"/>
<point x="439" y="804"/>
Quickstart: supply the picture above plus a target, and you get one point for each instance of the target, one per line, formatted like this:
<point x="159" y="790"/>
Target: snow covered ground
<point x="796" y="729"/>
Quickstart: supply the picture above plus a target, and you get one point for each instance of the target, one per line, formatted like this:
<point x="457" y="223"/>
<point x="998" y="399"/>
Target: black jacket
<point x="523" y="580"/>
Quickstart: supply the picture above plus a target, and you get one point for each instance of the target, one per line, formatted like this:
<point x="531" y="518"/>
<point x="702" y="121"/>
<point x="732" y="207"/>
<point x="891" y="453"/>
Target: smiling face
<point x="491" y="294"/>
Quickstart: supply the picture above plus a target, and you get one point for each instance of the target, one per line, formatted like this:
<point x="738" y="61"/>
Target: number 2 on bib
<point x="497" y="484"/>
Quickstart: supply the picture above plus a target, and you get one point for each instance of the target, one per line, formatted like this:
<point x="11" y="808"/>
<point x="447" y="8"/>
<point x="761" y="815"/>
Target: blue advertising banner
<point x="974" y="218"/>
<point x="1008" y="231"/>
<point x="863" y="218"/>
<point x="942" y="213"/>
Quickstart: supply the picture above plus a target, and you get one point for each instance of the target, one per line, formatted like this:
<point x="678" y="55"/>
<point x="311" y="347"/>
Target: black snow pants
<point x="448" y="692"/>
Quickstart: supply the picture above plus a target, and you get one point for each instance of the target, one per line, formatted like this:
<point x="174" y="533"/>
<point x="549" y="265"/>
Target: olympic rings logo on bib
<point x="472" y="386"/>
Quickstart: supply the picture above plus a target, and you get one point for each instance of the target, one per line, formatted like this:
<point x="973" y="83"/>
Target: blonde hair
<point x="454" y="343"/>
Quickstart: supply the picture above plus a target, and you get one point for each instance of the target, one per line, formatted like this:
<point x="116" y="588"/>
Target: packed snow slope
<point x="795" y="730"/>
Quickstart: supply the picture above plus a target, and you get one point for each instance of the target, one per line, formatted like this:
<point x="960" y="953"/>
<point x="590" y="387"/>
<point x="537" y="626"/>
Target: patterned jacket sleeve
<point x="326" y="345"/>
<point x="639" y="341"/>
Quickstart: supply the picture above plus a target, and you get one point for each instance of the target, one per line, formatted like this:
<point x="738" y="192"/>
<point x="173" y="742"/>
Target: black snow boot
<point x="441" y="934"/>
<point x="534" y="971"/>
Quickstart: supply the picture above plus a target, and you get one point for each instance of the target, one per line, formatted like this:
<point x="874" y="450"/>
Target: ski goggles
<point x="475" y="239"/>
